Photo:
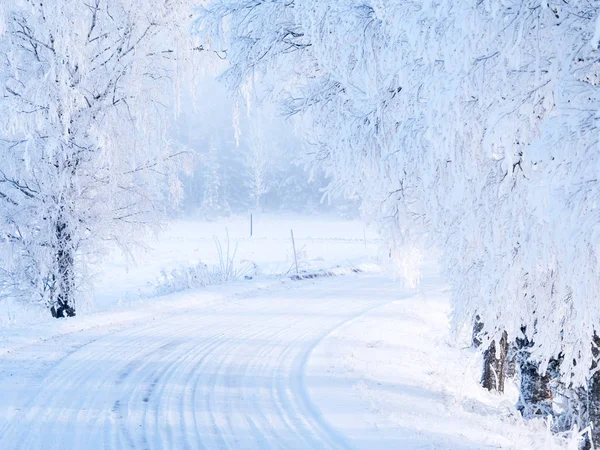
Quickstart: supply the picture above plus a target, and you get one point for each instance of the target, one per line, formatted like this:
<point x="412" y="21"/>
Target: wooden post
<point x="295" y="255"/>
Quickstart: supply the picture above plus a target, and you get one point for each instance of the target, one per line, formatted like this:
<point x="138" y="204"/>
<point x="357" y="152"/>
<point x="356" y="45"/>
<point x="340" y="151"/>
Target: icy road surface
<point x="334" y="363"/>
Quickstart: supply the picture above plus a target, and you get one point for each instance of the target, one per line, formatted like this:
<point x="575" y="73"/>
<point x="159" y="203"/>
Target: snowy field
<point x="320" y="244"/>
<point x="126" y="278"/>
<point x="351" y="361"/>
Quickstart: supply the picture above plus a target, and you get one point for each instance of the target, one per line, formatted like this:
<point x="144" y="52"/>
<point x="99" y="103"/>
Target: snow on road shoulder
<point x="390" y="379"/>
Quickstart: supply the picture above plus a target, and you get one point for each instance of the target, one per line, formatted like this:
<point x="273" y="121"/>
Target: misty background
<point x="248" y="159"/>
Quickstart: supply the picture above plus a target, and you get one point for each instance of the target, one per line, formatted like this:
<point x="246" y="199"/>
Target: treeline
<point x="248" y="160"/>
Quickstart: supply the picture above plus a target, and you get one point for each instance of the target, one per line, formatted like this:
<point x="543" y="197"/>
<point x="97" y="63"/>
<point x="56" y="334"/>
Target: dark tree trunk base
<point x="535" y="393"/>
<point x="535" y="399"/>
<point x="63" y="310"/>
<point x="593" y="398"/>
<point x="494" y="365"/>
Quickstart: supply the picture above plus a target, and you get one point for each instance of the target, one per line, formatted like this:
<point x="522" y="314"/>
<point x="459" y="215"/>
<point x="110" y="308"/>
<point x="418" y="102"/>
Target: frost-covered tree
<point x="469" y="124"/>
<point x="277" y="163"/>
<point x="258" y="159"/>
<point x="84" y="95"/>
<point x="214" y="200"/>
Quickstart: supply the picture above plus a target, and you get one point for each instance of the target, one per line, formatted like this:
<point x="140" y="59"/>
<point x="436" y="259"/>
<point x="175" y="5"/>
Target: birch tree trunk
<point x="535" y="393"/>
<point x="64" y="301"/>
<point x="593" y="398"/>
<point x="494" y="365"/>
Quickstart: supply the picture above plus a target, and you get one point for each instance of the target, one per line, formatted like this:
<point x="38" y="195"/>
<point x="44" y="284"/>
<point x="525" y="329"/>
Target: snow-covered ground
<point x="125" y="279"/>
<point x="353" y="361"/>
<point x="320" y="243"/>
<point x="396" y="381"/>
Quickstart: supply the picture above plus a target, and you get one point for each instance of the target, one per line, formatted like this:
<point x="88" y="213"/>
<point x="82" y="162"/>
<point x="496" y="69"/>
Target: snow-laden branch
<point x="471" y="125"/>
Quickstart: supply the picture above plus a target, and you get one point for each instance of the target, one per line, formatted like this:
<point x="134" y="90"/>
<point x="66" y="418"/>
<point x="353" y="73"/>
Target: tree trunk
<point x="535" y="394"/>
<point x="584" y="405"/>
<point x="494" y="365"/>
<point x="63" y="305"/>
<point x="511" y="360"/>
<point x="593" y="398"/>
<point x="535" y="397"/>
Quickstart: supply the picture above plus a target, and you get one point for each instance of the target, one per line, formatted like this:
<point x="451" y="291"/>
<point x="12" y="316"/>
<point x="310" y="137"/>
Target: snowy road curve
<point x="224" y="375"/>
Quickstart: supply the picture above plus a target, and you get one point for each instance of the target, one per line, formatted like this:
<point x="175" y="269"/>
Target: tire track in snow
<point x="226" y="377"/>
<point x="53" y="403"/>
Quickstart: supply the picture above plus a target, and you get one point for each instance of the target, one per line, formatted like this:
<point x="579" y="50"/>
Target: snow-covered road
<point x="342" y="362"/>
<point x="229" y="375"/>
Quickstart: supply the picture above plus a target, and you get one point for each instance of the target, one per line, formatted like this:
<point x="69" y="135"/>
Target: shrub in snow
<point x="201" y="275"/>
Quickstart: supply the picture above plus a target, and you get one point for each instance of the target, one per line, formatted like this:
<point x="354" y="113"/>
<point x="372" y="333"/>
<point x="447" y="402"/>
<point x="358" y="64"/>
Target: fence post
<point x="295" y="255"/>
